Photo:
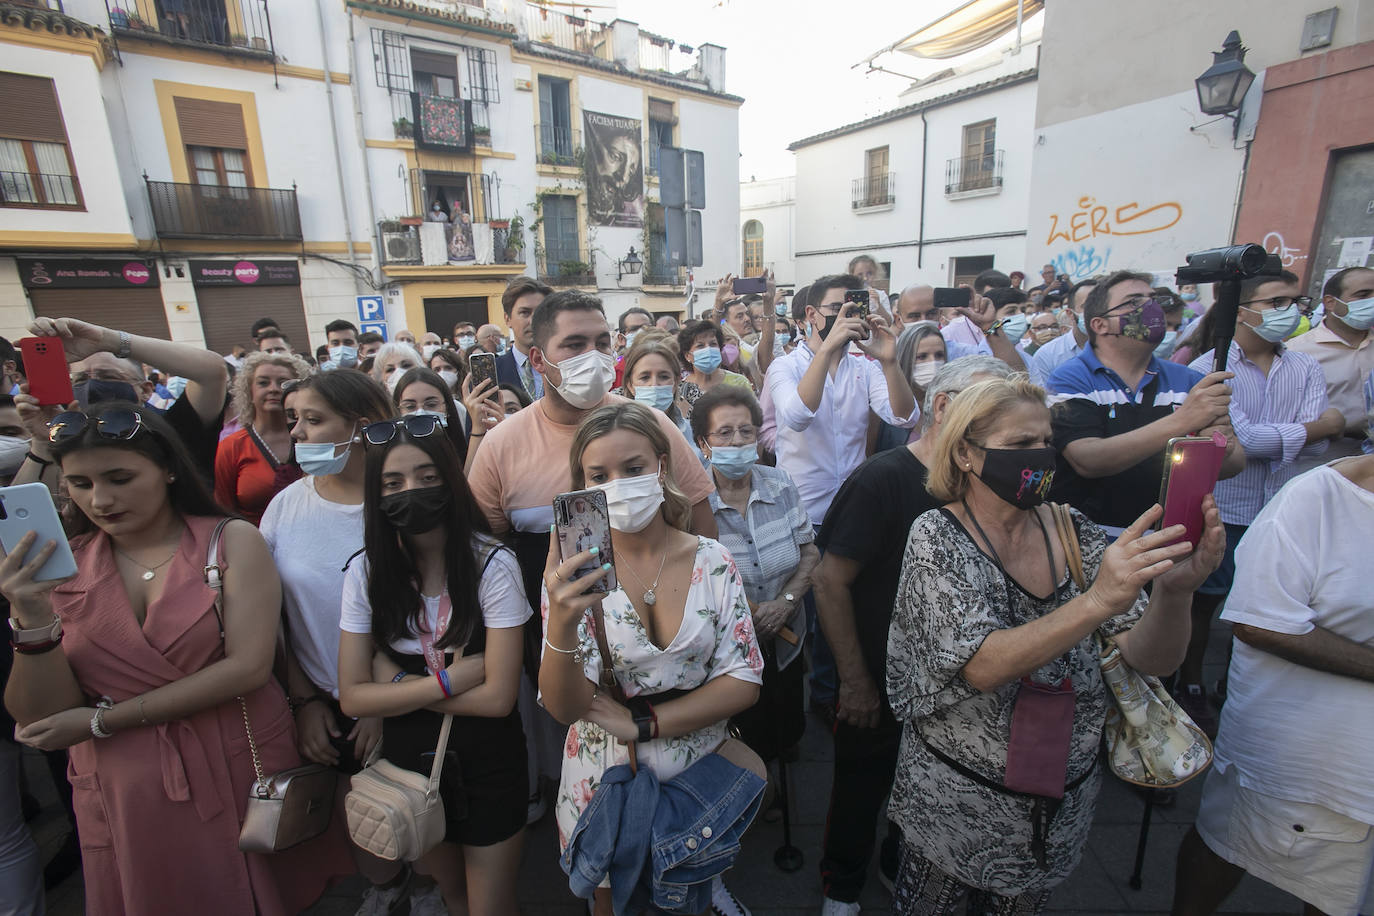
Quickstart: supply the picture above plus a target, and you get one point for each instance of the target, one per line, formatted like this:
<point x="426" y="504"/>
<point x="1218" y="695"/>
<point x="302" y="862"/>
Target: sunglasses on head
<point x="119" y="423"/>
<point x="416" y="426"/>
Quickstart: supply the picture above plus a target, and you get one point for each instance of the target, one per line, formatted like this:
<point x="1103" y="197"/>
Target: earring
<point x="171" y="478"/>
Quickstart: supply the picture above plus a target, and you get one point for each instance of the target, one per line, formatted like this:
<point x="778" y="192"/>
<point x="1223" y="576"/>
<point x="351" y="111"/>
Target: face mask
<point x="781" y="309"/>
<point x="429" y="350"/>
<point x="421" y="412"/>
<point x="1014" y="328"/>
<point x="97" y="390"/>
<point x="394" y="378"/>
<point x="630" y="339"/>
<point x="1020" y="476"/>
<point x="632" y="502"/>
<point x="450" y="377"/>
<point x="730" y="353"/>
<point x="1166" y="346"/>
<point x="1276" y="324"/>
<point x="782" y="340"/>
<point x="318" y="459"/>
<point x="1044" y="335"/>
<point x="656" y="396"/>
<point x="922" y="373"/>
<point x="466" y="340"/>
<point x="586" y="378"/>
<point x="1358" y="314"/>
<point x="12" y="452"/>
<point x="1083" y="325"/>
<point x="707" y="359"/>
<point x="417" y="511"/>
<point x="501" y="346"/>
<point x="734" y="461"/>
<point x="176" y="385"/>
<point x="1145" y="323"/>
<point x="344" y="357"/>
<point x="1188" y="297"/>
<point x="824" y="330"/>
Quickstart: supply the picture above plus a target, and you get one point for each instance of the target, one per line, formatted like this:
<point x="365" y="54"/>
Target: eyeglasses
<point x="726" y="434"/>
<point x="119" y="423"/>
<point x="1138" y="301"/>
<point x="1304" y="303"/>
<point x="416" y="426"/>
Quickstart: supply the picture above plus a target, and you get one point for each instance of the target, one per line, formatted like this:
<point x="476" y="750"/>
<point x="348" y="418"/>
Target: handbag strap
<point x="1068" y="537"/>
<point x="608" y="672"/>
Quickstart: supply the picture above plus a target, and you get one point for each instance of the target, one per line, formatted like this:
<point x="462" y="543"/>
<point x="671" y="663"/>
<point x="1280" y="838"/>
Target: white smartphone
<point x="29" y="507"/>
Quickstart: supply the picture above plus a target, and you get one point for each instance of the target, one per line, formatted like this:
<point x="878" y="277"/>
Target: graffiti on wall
<point x="1092" y="219"/>
<point x="1082" y="261"/>
<point x="1274" y="244"/>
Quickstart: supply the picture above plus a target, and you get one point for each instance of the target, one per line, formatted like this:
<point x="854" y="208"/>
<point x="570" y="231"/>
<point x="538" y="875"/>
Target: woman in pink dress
<point x="161" y="774"/>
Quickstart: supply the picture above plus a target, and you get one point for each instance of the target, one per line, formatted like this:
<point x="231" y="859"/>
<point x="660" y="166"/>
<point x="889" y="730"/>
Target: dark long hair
<point x="1203" y="335"/>
<point x="156" y="441"/>
<point x="351" y="394"/>
<point x="393" y="585"/>
<point x="457" y="435"/>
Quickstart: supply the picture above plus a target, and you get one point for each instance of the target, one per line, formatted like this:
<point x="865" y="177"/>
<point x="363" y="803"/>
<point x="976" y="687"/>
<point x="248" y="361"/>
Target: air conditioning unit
<point x="401" y="246"/>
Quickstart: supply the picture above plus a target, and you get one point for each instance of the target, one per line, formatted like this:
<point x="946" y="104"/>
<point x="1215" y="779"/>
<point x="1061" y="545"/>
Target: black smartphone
<point x="483" y="366"/>
<point x="742" y="286"/>
<point x="951" y="297"/>
<point x="856" y="305"/>
<point x="583" y="522"/>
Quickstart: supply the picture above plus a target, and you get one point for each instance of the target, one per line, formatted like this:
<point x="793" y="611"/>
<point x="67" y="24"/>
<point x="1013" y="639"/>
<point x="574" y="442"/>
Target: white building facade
<point x="767" y="229"/>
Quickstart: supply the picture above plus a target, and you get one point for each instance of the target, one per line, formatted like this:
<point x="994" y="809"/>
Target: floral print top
<point x="716" y="638"/>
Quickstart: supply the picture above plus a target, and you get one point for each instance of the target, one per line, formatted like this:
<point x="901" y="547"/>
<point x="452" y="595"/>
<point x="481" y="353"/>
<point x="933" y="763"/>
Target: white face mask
<point x="450" y="377"/>
<point x="394" y="378"/>
<point x="587" y="377"/>
<point x="422" y="412"/>
<point x="922" y="373"/>
<point x="429" y="350"/>
<point x="632" y="502"/>
<point x="466" y="340"/>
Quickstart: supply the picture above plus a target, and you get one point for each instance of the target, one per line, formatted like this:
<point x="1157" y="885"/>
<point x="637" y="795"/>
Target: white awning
<point x="964" y="29"/>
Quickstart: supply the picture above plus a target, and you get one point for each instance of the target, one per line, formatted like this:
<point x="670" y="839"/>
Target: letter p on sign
<point x="370" y="308"/>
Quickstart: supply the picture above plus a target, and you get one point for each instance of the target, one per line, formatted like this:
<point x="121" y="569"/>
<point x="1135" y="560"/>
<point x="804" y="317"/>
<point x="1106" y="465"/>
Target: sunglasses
<point x="416" y="426"/>
<point x="118" y="423"/>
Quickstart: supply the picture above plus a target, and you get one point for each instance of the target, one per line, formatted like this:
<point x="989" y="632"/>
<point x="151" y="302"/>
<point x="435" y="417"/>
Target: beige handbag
<point x="1150" y="740"/>
<point x="286" y="808"/>
<point x="395" y="813"/>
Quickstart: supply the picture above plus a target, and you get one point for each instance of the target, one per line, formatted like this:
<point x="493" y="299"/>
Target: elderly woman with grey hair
<point x="921" y="352"/>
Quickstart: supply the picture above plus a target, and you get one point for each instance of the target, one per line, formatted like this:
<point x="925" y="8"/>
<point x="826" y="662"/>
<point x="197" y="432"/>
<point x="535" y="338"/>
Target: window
<point x="435" y="74"/>
<point x="560" y="232"/>
<point x="980" y="155"/>
<point x="661" y="122"/>
<point x="389" y="60"/>
<point x="555" y="122"/>
<point x="217" y="166"/>
<point x="876" y="191"/>
<point x="753" y="249"/>
<point x="35" y="161"/>
<point x="966" y="270"/>
<point x="216" y="143"/>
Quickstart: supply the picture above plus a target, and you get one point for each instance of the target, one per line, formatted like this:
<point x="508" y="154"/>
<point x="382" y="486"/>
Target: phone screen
<point x="951" y="297"/>
<point x="741" y="286"/>
<point x="583" y="522"/>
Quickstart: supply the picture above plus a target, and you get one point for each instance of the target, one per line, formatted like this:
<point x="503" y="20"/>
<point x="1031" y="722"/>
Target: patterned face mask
<point x="1145" y="322"/>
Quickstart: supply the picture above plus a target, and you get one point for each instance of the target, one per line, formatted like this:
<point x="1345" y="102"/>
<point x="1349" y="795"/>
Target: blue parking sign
<point x="371" y="309"/>
<point x="373" y="326"/>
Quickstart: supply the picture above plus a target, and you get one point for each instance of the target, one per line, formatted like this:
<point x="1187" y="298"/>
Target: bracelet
<point x="45" y="462"/>
<point x="36" y="648"/>
<point x="442" y="677"/>
<point x="558" y="650"/>
<point x="125" y="345"/>
<point x="398" y="677"/>
<point x="142" y="714"/>
<point x="98" y="718"/>
<point x="296" y="704"/>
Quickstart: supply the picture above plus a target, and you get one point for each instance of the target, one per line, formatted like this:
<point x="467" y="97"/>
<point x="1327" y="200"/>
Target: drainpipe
<point x="921" y="230"/>
<point x="334" y="134"/>
<point x="362" y="151"/>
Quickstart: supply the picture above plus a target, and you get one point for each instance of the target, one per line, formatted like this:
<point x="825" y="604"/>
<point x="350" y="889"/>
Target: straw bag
<point x="1150" y="740"/>
<point x="285" y="808"/>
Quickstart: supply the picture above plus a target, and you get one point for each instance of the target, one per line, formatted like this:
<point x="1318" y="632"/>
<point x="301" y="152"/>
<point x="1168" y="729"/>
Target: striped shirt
<point x="1268" y="413"/>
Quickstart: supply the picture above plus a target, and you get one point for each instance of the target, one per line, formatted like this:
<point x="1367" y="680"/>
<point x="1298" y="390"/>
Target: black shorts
<point x="348" y="761"/>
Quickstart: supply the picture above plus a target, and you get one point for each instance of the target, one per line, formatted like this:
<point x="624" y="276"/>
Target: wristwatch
<point x="125" y="345"/>
<point x="646" y="721"/>
<point x="790" y="598"/>
<point x="46" y="634"/>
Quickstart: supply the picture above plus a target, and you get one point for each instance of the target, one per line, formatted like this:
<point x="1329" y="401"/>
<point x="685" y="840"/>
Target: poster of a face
<point x="615" y="170"/>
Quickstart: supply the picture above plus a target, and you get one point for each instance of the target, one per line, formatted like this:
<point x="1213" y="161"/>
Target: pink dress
<point x="159" y="808"/>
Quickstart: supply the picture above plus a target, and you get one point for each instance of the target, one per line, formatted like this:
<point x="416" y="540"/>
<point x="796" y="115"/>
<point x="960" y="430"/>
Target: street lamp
<point x="1222" y="87"/>
<point x="630" y="265"/>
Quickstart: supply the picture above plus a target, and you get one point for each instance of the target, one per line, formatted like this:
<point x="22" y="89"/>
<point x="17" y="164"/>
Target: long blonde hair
<point x="242" y="388"/>
<point x="973" y="416"/>
<point x="677" y="509"/>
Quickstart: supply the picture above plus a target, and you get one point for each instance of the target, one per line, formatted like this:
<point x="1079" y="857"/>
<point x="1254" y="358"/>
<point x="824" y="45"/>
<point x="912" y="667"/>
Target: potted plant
<point x="482" y="135"/>
<point x="404" y="129"/>
<point x="515" y="240"/>
<point x="135" y="21"/>
<point x="500" y="223"/>
<point x="239" y="40"/>
<point x="412" y="220"/>
<point x="259" y="43"/>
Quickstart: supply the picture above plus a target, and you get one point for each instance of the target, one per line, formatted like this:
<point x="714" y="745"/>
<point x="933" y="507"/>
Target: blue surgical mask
<point x="343" y="357"/>
<point x="318" y="459"/>
<point x="1188" y="297"/>
<point x="1083" y="325"/>
<point x="1166" y="346"/>
<point x="1276" y="324"/>
<point x="782" y="340"/>
<point x="466" y="340"/>
<point x="707" y="359"/>
<point x="781" y="309"/>
<point x="630" y="339"/>
<point x="1014" y="327"/>
<point x="1359" y="314"/>
<point x="656" y="396"/>
<point x="734" y="461"/>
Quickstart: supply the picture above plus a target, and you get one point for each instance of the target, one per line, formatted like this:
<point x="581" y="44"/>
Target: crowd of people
<point x="834" y="509"/>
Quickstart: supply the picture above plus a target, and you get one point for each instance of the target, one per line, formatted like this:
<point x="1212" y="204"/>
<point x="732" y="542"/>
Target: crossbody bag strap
<point x="608" y="671"/>
<point x="1068" y="537"/>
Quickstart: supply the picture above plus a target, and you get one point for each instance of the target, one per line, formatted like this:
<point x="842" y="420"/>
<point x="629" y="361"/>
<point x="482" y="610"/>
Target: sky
<point x="792" y="61"/>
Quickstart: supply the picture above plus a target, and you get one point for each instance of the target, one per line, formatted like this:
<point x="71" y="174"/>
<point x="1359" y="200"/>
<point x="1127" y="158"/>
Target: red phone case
<point x="45" y="368"/>
<point x="1191" y="466"/>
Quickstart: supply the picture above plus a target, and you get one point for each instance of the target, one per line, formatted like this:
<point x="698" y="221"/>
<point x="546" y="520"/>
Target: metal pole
<point x="1020" y="12"/>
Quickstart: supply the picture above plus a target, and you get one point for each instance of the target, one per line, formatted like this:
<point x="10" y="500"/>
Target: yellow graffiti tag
<point x="1092" y="219"/>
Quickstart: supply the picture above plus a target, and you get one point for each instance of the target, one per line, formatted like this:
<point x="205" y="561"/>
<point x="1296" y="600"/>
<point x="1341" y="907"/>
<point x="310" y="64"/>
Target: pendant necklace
<point x="649" y="597"/>
<point x="148" y="571"/>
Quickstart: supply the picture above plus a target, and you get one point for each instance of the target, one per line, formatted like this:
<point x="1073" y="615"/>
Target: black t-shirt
<point x="868" y="522"/>
<point x="200" y="438"/>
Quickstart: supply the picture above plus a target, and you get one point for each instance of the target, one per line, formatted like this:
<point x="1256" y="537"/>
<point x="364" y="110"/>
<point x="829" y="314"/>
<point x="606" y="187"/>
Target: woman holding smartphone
<point x="678" y="620"/>
<point x="140" y="676"/>
<point x="433" y="623"/>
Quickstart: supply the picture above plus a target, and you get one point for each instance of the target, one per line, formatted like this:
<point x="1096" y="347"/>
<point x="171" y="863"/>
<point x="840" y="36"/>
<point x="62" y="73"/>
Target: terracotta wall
<point x="1311" y="107"/>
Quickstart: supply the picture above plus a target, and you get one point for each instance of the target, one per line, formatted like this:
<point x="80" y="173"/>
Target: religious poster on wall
<point x="614" y="170"/>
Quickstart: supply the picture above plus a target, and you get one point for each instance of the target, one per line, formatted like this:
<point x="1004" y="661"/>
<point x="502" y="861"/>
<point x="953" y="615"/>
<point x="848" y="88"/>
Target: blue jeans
<point x="21" y="866"/>
<point x="824" y="679"/>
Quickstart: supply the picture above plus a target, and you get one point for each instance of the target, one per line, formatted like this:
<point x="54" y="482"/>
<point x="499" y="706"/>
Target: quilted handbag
<point x="395" y="813"/>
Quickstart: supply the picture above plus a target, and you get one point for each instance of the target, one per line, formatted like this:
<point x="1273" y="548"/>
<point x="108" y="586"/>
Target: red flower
<point x="582" y="793"/>
<point x="571" y="745"/>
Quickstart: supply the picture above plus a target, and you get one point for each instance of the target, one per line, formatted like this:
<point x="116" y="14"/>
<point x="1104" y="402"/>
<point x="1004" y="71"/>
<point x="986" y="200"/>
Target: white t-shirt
<point x="1295" y="732"/>
<point x="311" y="539"/>
<point x="501" y="593"/>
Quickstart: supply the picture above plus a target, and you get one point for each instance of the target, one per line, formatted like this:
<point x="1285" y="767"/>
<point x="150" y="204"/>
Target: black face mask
<point x="97" y="390"/>
<point x="417" y="511"/>
<point x="1020" y="476"/>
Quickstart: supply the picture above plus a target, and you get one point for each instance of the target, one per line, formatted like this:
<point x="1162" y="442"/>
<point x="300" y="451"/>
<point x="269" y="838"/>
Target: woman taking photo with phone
<point x="678" y="620"/>
<point x="139" y="675"/>
<point x="433" y="623"/>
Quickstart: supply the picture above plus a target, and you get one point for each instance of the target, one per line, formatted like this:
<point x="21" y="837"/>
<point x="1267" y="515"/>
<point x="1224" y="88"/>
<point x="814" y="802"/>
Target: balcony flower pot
<point x="412" y="220"/>
<point x="119" y="19"/>
<point x="404" y="129"/>
<point x="259" y="43"/>
<point x="482" y="135"/>
<point x="239" y="41"/>
<point x="500" y="224"/>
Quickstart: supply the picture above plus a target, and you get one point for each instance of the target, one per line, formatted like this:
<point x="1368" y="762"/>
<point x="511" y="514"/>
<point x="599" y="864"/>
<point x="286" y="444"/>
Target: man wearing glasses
<point x="1279" y="412"/>
<point x="1116" y="406"/>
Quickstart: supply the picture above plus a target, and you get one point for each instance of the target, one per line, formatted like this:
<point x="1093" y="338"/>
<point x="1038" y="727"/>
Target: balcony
<point x="558" y="145"/>
<point x="442" y="123"/>
<point x="571" y="33"/>
<point x="199" y="211"/>
<point x="974" y="176"/>
<point x="567" y="268"/>
<point x="662" y="275"/>
<point x="39" y="191"/>
<point x="874" y="192"/>
<point x="236" y="25"/>
<point x="414" y="242"/>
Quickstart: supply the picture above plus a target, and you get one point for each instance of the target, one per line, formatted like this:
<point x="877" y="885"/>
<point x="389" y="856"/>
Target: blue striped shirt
<point x="1268" y="413"/>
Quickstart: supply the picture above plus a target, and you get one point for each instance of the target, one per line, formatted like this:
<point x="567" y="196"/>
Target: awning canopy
<point x="964" y="29"/>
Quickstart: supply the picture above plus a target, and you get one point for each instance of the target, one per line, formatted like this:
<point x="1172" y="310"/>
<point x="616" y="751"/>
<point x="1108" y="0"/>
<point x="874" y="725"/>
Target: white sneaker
<point x="838" y="908"/>
<point x="724" y="903"/>
<point x="379" y="901"/>
<point x="429" y="902"/>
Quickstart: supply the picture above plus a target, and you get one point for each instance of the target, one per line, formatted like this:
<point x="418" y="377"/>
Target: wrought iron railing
<point x="974" y="173"/>
<point x="556" y="144"/>
<point x="874" y="191"/>
<point x="199" y="211"/>
<point x="567" y="267"/>
<point x="441" y="122"/>
<point x="562" y="30"/>
<point x="31" y="189"/>
<point x="241" y="24"/>
<point x="502" y="250"/>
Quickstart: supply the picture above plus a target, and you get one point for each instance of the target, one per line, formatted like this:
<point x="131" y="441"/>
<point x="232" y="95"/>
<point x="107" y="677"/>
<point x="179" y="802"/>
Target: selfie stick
<point x="1228" y="310"/>
<point x="788" y="857"/>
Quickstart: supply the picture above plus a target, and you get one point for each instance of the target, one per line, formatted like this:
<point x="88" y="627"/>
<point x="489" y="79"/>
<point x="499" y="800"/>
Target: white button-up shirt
<point x="820" y="448"/>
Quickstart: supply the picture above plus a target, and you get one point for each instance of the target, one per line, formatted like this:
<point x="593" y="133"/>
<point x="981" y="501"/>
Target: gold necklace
<point x="649" y="597"/>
